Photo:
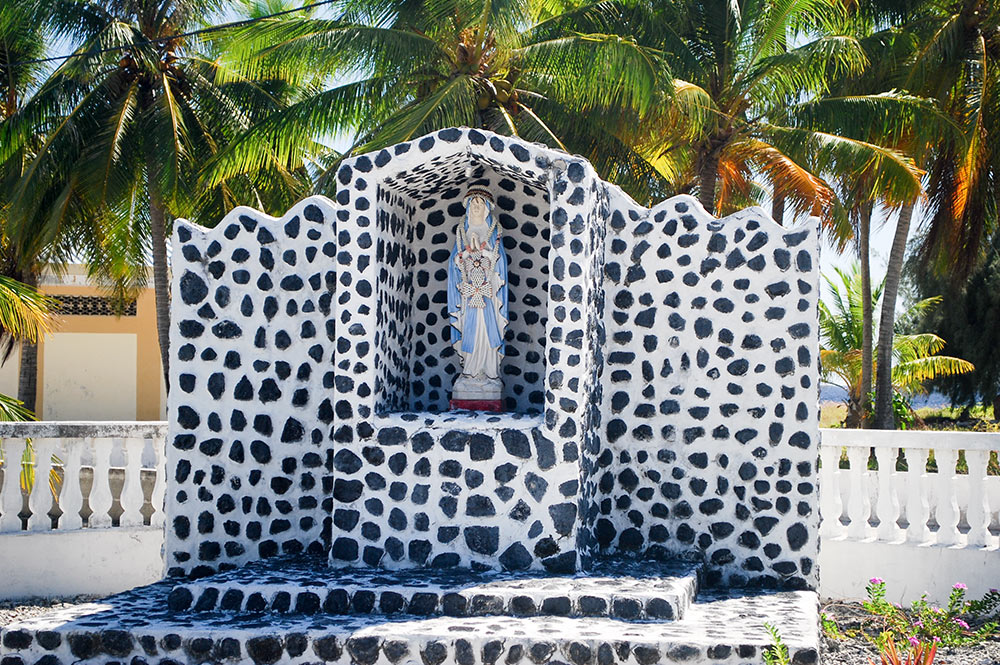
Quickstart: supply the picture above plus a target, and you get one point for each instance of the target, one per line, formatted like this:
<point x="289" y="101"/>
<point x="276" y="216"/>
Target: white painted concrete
<point x="846" y="566"/>
<point x="82" y="561"/>
<point x="88" y="373"/>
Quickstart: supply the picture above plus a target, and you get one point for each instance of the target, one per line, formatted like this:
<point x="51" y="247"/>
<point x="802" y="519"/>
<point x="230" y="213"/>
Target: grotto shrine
<point x="479" y="407"/>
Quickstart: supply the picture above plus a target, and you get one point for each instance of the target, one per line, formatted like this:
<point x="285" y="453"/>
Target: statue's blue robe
<point x="467" y="333"/>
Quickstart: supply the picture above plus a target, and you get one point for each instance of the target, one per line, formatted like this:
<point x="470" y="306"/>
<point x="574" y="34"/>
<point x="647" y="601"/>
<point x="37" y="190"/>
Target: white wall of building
<point x="87" y="372"/>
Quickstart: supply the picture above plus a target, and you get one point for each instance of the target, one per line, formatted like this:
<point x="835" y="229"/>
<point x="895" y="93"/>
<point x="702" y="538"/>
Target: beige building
<point x="95" y="365"/>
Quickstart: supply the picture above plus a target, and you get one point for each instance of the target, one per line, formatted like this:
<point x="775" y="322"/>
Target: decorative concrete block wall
<point x="663" y="362"/>
<point x="471" y="490"/>
<point x="710" y="418"/>
<point x="253" y="387"/>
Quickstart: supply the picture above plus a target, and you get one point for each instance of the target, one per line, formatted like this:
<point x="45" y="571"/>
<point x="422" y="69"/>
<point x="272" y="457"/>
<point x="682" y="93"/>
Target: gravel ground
<point x="16" y="610"/>
<point x="859" y="651"/>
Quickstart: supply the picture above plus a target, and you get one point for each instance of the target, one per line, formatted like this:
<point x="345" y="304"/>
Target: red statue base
<point x="494" y="405"/>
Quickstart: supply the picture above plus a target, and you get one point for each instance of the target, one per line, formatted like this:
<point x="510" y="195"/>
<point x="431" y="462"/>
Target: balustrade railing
<point x="926" y="487"/>
<point x="73" y="475"/>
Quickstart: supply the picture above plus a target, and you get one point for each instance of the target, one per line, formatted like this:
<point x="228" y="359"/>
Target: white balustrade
<point x="159" y="488"/>
<point x="40" y="499"/>
<point x="68" y="453"/>
<point x="918" y="508"/>
<point x="11" y="496"/>
<point x="946" y="514"/>
<point x="131" y="497"/>
<point x="887" y="507"/>
<point x="935" y="506"/>
<point x="831" y="506"/>
<point x="858" y="503"/>
<point x="71" y="496"/>
<point x="978" y="512"/>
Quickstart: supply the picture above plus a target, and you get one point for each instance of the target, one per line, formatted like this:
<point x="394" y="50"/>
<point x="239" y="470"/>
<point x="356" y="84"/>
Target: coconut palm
<point x="25" y="314"/>
<point x="743" y="100"/>
<point x="914" y="359"/>
<point x="128" y="124"/>
<point x="22" y="40"/>
<point x="958" y="63"/>
<point x="403" y="69"/>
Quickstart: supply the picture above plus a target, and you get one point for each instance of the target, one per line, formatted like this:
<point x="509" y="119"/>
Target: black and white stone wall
<point x="710" y="426"/>
<point x="663" y="362"/>
<point x="394" y="257"/>
<point x="470" y="491"/>
<point x="547" y="347"/>
<point x="435" y="192"/>
<point x="252" y="403"/>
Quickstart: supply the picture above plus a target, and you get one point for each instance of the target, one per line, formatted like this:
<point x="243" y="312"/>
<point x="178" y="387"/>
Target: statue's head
<point x="478" y="203"/>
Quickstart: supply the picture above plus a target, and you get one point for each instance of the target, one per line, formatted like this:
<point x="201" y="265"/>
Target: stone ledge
<point x="76" y="429"/>
<point x="627" y="590"/>
<point x="724" y="627"/>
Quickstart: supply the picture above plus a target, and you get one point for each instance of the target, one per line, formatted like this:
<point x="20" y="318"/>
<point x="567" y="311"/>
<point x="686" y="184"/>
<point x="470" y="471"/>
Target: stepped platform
<point x="634" y="590"/>
<point x="140" y="626"/>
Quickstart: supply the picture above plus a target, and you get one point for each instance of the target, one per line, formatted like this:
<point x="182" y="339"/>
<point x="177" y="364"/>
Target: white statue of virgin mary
<point x="477" y="304"/>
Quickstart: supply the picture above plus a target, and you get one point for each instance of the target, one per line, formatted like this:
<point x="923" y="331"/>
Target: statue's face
<point x="477" y="210"/>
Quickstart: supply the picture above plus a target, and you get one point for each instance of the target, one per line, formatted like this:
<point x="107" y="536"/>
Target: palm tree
<point x="406" y="69"/>
<point x="914" y="360"/>
<point x="905" y="124"/>
<point x="128" y="124"/>
<point x="742" y="99"/>
<point x="22" y="39"/>
<point x="957" y="63"/>
<point x="25" y="314"/>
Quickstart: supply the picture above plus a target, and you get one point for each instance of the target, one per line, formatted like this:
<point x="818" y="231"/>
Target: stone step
<point x="137" y="627"/>
<point x="623" y="590"/>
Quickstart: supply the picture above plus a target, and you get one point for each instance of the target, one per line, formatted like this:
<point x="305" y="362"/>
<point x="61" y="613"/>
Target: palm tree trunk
<point x="707" y="178"/>
<point x="883" y="381"/>
<point x="161" y="279"/>
<point x="778" y="208"/>
<point x="27" y="379"/>
<point x="867" y="320"/>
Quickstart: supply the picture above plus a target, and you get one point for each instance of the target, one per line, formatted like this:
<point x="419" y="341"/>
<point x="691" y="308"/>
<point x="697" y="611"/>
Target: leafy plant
<point x="914" y="356"/>
<point x="919" y="653"/>
<point x="903" y="414"/>
<point x="830" y="627"/>
<point x="777" y="652"/>
<point x="925" y="622"/>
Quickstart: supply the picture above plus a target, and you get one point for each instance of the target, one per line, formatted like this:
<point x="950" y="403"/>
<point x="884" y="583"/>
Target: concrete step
<point x="137" y="627"/>
<point x="624" y="590"/>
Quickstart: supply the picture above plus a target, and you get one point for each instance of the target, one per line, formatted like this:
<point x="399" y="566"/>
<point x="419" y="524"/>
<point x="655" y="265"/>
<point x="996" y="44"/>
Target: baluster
<point x="918" y="509"/>
<point x="100" y="494"/>
<point x="887" y="505"/>
<point x="131" y="498"/>
<point x="40" y="499"/>
<point x="831" y="505"/>
<point x="947" y="502"/>
<point x="71" y="496"/>
<point x="858" y="503"/>
<point x="160" y="482"/>
<point x="11" y="498"/>
<point x="978" y="512"/>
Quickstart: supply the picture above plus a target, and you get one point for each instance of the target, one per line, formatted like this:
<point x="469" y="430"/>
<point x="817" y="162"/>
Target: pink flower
<point x="876" y="580"/>
<point x="962" y="624"/>
<point x="914" y="642"/>
<point x="961" y="586"/>
<point x="936" y="639"/>
<point x="918" y="624"/>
